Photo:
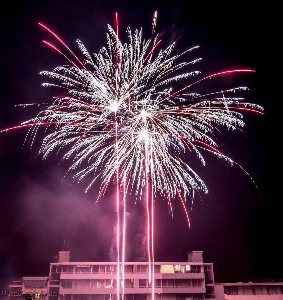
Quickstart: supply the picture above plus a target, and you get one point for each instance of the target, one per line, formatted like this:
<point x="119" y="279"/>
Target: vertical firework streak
<point x="124" y="237"/>
<point x="120" y="119"/>
<point x="118" y="208"/>
<point x="117" y="167"/>
<point x="147" y="191"/>
<point x="152" y="231"/>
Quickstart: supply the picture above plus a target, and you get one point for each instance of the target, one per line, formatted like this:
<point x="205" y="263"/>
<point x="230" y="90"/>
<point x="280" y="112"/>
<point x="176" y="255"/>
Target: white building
<point x="190" y="280"/>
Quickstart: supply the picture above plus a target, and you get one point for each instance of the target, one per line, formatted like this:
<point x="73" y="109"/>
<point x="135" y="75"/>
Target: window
<point x="195" y="269"/>
<point x="109" y="283"/>
<point x="95" y="269"/>
<point x="188" y="268"/>
<point x="82" y="283"/>
<point x="177" y="268"/>
<point x="197" y="283"/>
<point x="271" y="290"/>
<point x="56" y="269"/>
<point x="140" y="297"/>
<point x="167" y="269"/>
<point x="184" y="297"/>
<point x="142" y="283"/>
<point x="129" y="283"/>
<point x="156" y="269"/>
<point x="141" y="268"/>
<point x="81" y="297"/>
<point x="231" y="290"/>
<point x="99" y="297"/>
<point x="67" y="269"/>
<point x="157" y="283"/>
<point x="54" y="292"/>
<point x="110" y="269"/>
<point x="169" y="296"/>
<point x="198" y="296"/>
<point x="183" y="283"/>
<point x="247" y="290"/>
<point x="181" y="268"/>
<point x="128" y="269"/>
<point x="82" y="269"/>
<point x="167" y="283"/>
<point x="97" y="283"/>
<point x="65" y="297"/>
<point x="209" y="292"/>
<point x="66" y="283"/>
<point x="258" y="290"/>
<point x="35" y="283"/>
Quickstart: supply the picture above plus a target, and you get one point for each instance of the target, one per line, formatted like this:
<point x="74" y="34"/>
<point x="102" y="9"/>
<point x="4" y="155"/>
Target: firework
<point x="129" y="114"/>
<point x="119" y="110"/>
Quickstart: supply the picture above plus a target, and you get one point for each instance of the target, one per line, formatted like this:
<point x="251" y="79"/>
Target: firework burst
<point x="128" y="114"/>
<point x="120" y="110"/>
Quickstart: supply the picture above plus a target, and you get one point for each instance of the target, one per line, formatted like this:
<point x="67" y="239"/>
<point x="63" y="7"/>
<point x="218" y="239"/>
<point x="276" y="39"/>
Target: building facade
<point x="190" y="280"/>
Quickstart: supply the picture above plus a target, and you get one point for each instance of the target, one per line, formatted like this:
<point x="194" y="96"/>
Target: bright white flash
<point x="114" y="106"/>
<point x="143" y="135"/>
<point x="144" y="114"/>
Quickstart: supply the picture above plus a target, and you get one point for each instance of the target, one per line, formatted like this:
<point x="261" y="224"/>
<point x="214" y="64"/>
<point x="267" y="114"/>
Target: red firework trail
<point x="62" y="42"/>
<point x="208" y="77"/>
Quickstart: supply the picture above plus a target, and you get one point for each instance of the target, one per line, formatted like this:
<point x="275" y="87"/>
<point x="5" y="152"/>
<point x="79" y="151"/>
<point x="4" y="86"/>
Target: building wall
<point x="100" y="278"/>
<point x="254" y="297"/>
<point x="191" y="280"/>
<point x="249" y="291"/>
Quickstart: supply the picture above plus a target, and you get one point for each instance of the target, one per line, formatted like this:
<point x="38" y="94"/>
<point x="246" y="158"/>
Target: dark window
<point x="82" y="283"/>
<point x="98" y="297"/>
<point x="128" y="269"/>
<point x="247" y="290"/>
<point x="183" y="283"/>
<point x="271" y="290"/>
<point x="66" y="283"/>
<point x="95" y="269"/>
<point x="167" y="283"/>
<point x="82" y="269"/>
<point x="110" y="269"/>
<point x="81" y="297"/>
<point x="35" y="283"/>
<point x="195" y="269"/>
<point x="141" y="268"/>
<point x="142" y="283"/>
<point x="231" y="290"/>
<point x="65" y="297"/>
<point x="67" y="269"/>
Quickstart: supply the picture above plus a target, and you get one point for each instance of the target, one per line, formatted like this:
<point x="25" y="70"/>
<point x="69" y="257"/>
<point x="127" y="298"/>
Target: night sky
<point x="236" y="225"/>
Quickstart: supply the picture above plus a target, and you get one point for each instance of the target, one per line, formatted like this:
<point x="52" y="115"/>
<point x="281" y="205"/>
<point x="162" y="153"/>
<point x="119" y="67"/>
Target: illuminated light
<point x="144" y="114"/>
<point x="143" y="135"/>
<point x="114" y="106"/>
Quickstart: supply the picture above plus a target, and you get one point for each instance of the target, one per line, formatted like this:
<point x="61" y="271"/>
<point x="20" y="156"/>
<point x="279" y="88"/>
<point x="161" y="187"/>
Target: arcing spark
<point x="123" y="98"/>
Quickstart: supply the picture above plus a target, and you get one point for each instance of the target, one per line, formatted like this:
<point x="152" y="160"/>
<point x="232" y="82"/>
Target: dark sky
<point x="237" y="229"/>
